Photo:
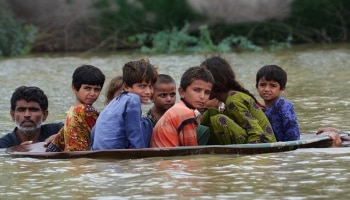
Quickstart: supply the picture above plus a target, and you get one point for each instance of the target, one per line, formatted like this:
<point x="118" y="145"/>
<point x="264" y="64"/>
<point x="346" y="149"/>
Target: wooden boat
<point x="37" y="150"/>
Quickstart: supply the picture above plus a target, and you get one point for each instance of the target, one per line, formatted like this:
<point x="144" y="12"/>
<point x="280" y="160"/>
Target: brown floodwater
<point x="318" y="85"/>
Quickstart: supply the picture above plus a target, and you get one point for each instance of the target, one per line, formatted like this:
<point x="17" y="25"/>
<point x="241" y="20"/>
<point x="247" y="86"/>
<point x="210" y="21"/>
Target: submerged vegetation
<point x="158" y="26"/>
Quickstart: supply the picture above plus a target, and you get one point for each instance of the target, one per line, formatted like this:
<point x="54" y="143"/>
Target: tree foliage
<point x="15" y="38"/>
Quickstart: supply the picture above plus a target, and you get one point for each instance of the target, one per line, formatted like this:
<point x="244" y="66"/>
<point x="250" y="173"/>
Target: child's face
<point x="144" y="90"/>
<point x="197" y="93"/>
<point x="87" y="94"/>
<point x="164" y="96"/>
<point x="269" y="90"/>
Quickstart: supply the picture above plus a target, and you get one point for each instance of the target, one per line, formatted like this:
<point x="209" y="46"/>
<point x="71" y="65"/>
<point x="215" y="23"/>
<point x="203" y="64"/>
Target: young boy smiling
<point x="120" y="124"/>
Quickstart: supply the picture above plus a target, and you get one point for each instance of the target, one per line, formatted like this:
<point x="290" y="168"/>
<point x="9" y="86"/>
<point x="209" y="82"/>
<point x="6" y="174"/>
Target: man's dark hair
<point x="29" y="94"/>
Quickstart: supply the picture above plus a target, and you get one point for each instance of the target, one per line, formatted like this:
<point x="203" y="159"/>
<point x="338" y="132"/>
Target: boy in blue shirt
<point x="271" y="83"/>
<point x="120" y="124"/>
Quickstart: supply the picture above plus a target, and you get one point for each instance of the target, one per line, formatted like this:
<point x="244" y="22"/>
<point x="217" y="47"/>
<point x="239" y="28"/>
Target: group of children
<point x="213" y="109"/>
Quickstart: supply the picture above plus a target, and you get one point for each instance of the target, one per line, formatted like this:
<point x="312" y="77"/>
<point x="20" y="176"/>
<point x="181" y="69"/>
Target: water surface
<point x="318" y="85"/>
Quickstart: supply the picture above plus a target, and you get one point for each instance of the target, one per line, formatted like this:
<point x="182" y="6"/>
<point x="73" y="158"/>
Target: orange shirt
<point x="177" y="127"/>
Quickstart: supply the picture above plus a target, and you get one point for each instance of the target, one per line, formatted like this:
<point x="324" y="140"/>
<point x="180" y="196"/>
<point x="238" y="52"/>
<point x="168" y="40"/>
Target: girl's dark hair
<point x="87" y="74"/>
<point x="225" y="78"/>
<point x="114" y="85"/>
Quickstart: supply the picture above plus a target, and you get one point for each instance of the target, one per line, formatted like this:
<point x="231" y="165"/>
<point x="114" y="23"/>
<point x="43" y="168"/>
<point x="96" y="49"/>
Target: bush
<point x="125" y="17"/>
<point x="15" y="38"/>
<point x="177" y="41"/>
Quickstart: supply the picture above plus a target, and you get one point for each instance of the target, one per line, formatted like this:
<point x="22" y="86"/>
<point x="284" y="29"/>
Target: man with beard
<point x="29" y="109"/>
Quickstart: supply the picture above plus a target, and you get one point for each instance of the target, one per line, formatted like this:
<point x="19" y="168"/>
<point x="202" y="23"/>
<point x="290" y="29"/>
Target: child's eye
<point x="97" y="89"/>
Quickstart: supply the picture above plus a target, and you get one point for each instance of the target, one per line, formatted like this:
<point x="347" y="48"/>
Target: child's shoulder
<point x="129" y="95"/>
<point x="126" y="97"/>
<point x="283" y="100"/>
<point x="83" y="108"/>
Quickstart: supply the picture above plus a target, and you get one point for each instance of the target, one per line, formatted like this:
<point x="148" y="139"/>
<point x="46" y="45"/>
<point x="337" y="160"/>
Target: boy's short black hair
<point x="87" y="74"/>
<point x="272" y="73"/>
<point x="139" y="71"/>
<point x="164" y="78"/>
<point x="195" y="73"/>
<point x="29" y="94"/>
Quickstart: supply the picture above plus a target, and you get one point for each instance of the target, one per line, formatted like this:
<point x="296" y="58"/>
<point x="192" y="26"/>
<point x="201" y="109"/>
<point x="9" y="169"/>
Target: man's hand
<point x="27" y="142"/>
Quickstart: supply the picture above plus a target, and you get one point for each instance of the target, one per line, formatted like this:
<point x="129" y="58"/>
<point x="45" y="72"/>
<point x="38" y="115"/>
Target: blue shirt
<point x="283" y="120"/>
<point x="121" y="126"/>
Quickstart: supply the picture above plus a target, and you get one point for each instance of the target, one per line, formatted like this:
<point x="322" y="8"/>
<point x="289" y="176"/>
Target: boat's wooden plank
<point x="37" y="150"/>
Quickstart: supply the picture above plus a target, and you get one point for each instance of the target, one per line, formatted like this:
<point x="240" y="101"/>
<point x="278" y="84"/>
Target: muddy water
<point x="318" y="85"/>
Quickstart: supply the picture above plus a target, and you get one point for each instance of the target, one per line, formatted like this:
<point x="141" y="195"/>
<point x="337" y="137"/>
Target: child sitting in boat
<point x="114" y="88"/>
<point x="242" y="120"/>
<point x="120" y="124"/>
<point x="271" y="83"/>
<point x="177" y="127"/>
<point x="163" y="97"/>
<point x="87" y="84"/>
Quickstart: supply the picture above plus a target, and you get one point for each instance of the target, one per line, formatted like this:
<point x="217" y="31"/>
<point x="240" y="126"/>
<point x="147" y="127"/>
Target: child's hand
<point x="49" y="139"/>
<point x="327" y="129"/>
<point x="27" y="142"/>
<point x="337" y="141"/>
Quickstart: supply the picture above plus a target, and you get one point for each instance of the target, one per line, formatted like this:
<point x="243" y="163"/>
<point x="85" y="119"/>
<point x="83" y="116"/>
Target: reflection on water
<point x="289" y="175"/>
<point x="318" y="82"/>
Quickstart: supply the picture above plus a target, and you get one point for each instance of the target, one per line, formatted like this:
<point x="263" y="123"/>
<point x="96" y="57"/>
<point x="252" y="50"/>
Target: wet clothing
<point x="10" y="139"/>
<point x="201" y="131"/>
<point x="283" y="120"/>
<point x="152" y="117"/>
<point x="121" y="126"/>
<point x="242" y="121"/>
<point x="75" y="135"/>
<point x="177" y="127"/>
<point x="203" y="134"/>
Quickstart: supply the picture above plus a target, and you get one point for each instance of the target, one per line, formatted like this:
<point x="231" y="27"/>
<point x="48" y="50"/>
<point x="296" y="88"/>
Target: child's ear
<point x="181" y="92"/>
<point x="282" y="90"/>
<point x="74" y="89"/>
<point x="126" y="88"/>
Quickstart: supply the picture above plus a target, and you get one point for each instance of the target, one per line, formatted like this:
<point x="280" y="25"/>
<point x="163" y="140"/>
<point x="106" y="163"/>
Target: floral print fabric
<point x="75" y="134"/>
<point x="242" y="121"/>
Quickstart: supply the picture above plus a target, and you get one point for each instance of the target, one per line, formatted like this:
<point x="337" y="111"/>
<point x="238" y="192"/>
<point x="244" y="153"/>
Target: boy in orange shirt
<point x="177" y="127"/>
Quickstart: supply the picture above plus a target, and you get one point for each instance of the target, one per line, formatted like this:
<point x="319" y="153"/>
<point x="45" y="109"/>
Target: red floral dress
<point x="75" y="134"/>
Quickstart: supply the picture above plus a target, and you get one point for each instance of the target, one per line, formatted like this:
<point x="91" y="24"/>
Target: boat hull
<point x="37" y="150"/>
